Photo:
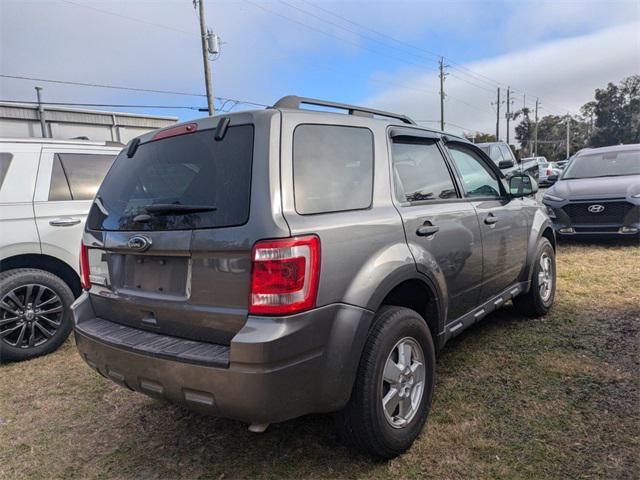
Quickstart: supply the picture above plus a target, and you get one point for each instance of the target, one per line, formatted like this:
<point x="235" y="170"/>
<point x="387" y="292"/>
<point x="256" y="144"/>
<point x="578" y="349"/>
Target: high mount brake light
<point x="84" y="267"/>
<point x="175" y="131"/>
<point x="284" y="275"/>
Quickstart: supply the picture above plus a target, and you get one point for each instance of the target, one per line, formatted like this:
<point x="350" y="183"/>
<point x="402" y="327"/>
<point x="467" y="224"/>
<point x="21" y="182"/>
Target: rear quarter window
<point x="332" y="168"/>
<point x="5" y="161"/>
<point x="77" y="176"/>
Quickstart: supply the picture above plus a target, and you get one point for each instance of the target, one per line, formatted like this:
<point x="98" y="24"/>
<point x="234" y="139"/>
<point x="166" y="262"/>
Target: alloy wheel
<point x="545" y="277"/>
<point x="402" y="385"/>
<point x="29" y="316"/>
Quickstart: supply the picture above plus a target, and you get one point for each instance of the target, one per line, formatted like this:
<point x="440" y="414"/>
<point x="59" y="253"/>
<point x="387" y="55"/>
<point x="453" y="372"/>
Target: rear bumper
<point x="274" y="369"/>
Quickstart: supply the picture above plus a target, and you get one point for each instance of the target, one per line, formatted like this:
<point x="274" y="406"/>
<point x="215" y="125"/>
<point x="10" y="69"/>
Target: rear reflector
<point x="84" y="267"/>
<point x="284" y="275"/>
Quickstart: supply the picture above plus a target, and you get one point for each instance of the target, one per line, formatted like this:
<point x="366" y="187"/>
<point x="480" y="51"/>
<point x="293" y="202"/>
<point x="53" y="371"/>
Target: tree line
<point x="612" y="118"/>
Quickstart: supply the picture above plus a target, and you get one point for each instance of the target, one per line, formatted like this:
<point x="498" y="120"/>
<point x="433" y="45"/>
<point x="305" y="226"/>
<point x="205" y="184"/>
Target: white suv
<point x="46" y="190"/>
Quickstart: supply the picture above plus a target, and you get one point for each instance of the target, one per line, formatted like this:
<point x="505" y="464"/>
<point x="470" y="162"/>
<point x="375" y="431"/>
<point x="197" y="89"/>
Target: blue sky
<point x="559" y="51"/>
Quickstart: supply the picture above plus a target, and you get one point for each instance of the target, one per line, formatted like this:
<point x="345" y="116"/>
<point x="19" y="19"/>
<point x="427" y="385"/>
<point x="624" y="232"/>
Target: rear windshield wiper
<point x="171" y="209"/>
<point x="177" y="209"/>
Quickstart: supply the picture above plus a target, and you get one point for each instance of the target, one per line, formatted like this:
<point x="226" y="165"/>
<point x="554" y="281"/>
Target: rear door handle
<point x="490" y="220"/>
<point x="427" y="230"/>
<point x="64" y="222"/>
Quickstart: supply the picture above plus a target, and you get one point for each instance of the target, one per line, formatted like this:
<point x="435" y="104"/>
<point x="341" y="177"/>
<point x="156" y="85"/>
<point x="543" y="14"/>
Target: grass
<point x="555" y="397"/>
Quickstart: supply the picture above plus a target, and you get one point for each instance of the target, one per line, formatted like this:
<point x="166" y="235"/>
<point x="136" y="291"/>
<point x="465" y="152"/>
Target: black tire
<point x="363" y="422"/>
<point x="59" y="322"/>
<point x="532" y="303"/>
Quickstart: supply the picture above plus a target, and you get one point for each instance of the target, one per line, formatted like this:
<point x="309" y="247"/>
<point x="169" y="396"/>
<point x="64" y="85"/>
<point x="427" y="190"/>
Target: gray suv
<point x="268" y="264"/>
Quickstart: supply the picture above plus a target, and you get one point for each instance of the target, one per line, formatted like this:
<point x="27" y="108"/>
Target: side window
<point x="420" y="172"/>
<point x="5" y="161"/>
<point x="59" y="188"/>
<point x="81" y="172"/>
<point x="507" y="154"/>
<point x="332" y="168"/>
<point x="496" y="154"/>
<point x="478" y="179"/>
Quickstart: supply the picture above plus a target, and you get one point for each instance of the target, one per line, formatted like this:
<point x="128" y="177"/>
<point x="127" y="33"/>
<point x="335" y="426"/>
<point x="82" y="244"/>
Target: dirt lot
<point x="557" y="397"/>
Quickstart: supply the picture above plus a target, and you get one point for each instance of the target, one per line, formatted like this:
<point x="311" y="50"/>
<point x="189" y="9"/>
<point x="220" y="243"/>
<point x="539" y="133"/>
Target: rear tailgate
<point x="184" y="275"/>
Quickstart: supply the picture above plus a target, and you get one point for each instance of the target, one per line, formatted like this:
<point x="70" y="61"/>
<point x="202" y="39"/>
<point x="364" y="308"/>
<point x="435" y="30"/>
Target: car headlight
<point x="637" y="195"/>
<point x="553" y="198"/>
<point x="550" y="212"/>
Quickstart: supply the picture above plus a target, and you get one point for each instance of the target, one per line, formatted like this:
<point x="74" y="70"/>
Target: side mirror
<point x="522" y="185"/>
<point x="552" y="178"/>
<point x="505" y="164"/>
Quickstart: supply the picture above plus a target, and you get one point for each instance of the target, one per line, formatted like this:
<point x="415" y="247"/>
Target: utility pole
<point x="535" y="135"/>
<point x="205" y="57"/>
<point x="568" y="135"/>
<point x="498" y="117"/>
<point x="43" y="122"/>
<point x="508" y="114"/>
<point x="442" y="75"/>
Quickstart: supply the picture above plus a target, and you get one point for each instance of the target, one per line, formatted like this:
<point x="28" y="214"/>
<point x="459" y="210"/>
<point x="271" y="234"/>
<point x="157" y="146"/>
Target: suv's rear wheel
<point x="394" y="385"/>
<point x="34" y="313"/>
<point x="538" y="300"/>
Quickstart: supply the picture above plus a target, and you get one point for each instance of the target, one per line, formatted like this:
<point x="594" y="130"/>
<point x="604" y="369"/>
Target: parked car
<point x="548" y="170"/>
<point x="598" y="193"/>
<point x="46" y="189"/>
<point x="268" y="264"/>
<point x="503" y="157"/>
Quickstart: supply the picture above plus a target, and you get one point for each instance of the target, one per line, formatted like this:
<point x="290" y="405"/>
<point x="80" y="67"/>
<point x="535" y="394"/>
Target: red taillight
<point x="548" y="172"/>
<point x="84" y="267"/>
<point x="284" y="275"/>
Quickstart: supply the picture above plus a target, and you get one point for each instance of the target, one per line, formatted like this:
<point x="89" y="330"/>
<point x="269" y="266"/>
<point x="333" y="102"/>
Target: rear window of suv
<point x="332" y="168"/>
<point x="188" y="170"/>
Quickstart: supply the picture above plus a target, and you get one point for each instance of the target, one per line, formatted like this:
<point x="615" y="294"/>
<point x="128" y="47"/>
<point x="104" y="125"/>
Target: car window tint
<point x="478" y="179"/>
<point x="192" y="169"/>
<point x="420" y="172"/>
<point x="85" y="172"/>
<point x="496" y="154"/>
<point x="332" y="168"/>
<point x="5" y="161"/>
<point x="607" y="164"/>
<point x="507" y="154"/>
<point x="59" y="188"/>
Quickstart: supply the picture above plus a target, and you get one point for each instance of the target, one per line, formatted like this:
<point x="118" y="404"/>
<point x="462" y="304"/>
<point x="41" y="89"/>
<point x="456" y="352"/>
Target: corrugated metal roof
<point x="94" y="117"/>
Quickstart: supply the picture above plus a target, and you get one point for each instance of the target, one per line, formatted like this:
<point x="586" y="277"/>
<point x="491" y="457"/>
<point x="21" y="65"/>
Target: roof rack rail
<point x="294" y="102"/>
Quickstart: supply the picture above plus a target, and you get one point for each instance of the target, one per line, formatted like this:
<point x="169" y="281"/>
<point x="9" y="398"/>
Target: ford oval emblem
<point x="139" y="243"/>
<point x="596" y="208"/>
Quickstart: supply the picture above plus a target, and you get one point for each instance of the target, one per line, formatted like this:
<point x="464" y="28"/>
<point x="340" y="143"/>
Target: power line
<point x="455" y="65"/>
<point x="310" y="27"/>
<point x="133" y="19"/>
<point x="452" y="64"/>
<point x="120" y="87"/>
<point x="306" y="12"/>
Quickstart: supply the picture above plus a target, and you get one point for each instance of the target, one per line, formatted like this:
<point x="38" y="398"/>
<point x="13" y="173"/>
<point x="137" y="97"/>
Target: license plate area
<point x="155" y="274"/>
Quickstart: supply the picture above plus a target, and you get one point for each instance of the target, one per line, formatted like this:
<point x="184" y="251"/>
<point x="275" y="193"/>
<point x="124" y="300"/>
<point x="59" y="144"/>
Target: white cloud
<point x="264" y="54"/>
<point x="563" y="73"/>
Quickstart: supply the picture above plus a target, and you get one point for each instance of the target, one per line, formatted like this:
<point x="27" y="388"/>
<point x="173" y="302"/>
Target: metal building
<point x="23" y="120"/>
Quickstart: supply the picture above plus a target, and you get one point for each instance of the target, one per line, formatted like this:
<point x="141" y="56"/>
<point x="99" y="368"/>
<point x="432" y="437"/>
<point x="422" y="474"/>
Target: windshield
<point x="177" y="183"/>
<point x="609" y="164"/>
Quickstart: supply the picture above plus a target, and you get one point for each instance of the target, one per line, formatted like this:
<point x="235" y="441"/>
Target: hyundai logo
<point x="596" y="208"/>
<point x="139" y="243"/>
